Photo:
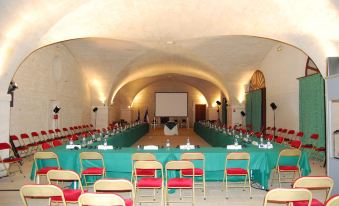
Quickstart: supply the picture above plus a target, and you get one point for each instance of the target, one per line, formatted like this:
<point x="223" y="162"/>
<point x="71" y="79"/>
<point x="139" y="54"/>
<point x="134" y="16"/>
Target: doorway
<point x="200" y="112"/>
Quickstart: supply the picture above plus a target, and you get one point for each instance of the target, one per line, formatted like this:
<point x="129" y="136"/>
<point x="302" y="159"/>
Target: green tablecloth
<point x="118" y="162"/>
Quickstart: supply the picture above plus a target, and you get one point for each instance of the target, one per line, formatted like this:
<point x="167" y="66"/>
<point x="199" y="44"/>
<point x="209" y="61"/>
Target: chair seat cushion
<point x="149" y="182"/>
<point x="11" y="160"/>
<point x="44" y="170"/>
<point x="315" y="202"/>
<point x="145" y="172"/>
<point x="189" y="172"/>
<point x="128" y="202"/>
<point x="180" y="182"/>
<point x="69" y="194"/>
<point x="320" y="149"/>
<point x="288" y="168"/>
<point x="236" y="171"/>
<point x="93" y="171"/>
<point x="308" y="146"/>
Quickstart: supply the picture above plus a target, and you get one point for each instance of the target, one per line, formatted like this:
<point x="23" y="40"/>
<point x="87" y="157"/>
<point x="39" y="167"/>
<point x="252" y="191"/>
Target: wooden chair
<point x="293" y="154"/>
<point x="287" y="196"/>
<point x="39" y="157"/>
<point x="314" y="183"/>
<point x="41" y="191"/>
<point x="66" y="176"/>
<point x="142" y="172"/>
<point x="333" y="201"/>
<point x="198" y="172"/>
<point x="149" y="182"/>
<point x="116" y="185"/>
<point x="96" y="199"/>
<point x="91" y="171"/>
<point x="237" y="171"/>
<point x="179" y="183"/>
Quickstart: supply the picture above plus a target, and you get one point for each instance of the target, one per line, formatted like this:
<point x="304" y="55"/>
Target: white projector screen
<point x="171" y="104"/>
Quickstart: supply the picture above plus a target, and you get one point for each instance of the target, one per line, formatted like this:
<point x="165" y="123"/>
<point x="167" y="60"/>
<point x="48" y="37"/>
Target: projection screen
<point x="169" y="104"/>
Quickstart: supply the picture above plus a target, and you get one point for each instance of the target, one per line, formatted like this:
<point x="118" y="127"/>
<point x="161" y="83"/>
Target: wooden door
<point x="200" y="112"/>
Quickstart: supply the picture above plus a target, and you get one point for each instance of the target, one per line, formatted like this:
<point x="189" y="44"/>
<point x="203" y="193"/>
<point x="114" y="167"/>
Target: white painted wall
<point x="49" y="75"/>
<point x="281" y="70"/>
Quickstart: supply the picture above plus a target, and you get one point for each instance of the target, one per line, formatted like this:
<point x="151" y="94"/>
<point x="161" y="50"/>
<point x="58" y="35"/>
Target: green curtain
<point x="248" y="109"/>
<point x="256" y="110"/>
<point x="253" y="109"/>
<point x="312" y="108"/>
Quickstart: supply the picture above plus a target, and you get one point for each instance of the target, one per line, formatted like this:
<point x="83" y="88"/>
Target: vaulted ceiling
<point x="123" y="40"/>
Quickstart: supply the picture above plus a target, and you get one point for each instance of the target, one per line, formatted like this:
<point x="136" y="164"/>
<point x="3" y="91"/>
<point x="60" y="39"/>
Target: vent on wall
<point x="333" y="66"/>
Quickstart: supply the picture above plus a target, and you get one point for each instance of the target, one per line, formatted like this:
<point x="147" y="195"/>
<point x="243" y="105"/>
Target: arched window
<point x="310" y="67"/>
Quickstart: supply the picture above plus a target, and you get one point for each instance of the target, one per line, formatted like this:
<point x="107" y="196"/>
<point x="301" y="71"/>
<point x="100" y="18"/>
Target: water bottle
<point x="188" y="141"/>
<point x="168" y="144"/>
<point x="236" y="141"/>
<point x="71" y="141"/>
<point x="83" y="141"/>
<point x="261" y="140"/>
<point x="105" y="142"/>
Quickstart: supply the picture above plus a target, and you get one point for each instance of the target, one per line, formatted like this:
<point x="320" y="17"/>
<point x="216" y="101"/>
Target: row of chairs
<point x="26" y="144"/>
<point x="301" y="193"/>
<point x="290" y="137"/>
<point x="59" y="190"/>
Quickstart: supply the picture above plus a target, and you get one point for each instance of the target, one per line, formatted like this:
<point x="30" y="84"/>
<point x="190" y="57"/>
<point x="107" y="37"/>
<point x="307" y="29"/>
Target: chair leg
<point x="226" y="186"/>
<point x="204" y="185"/>
<point x="279" y="178"/>
<point x="249" y="185"/>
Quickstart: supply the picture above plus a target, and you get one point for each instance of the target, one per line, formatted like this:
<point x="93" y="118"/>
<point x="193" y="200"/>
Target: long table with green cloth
<point x="262" y="160"/>
<point x="118" y="161"/>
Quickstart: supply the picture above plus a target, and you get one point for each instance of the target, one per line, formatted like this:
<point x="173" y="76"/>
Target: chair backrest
<point x="41" y="191"/>
<point x="148" y="164"/>
<point x="45" y="156"/>
<point x="295" y="144"/>
<point x="116" y="185"/>
<point x="279" y="139"/>
<point x="289" y="153"/>
<point x="96" y="199"/>
<point x="315" y="183"/>
<point x="192" y="156"/>
<point x="333" y="201"/>
<point x="45" y="146"/>
<point x="300" y="134"/>
<point x="179" y="165"/>
<point x="91" y="156"/>
<point x="57" y="130"/>
<point x="283" y="195"/>
<point x="43" y="132"/>
<point x="65" y="129"/>
<point x="24" y="136"/>
<point x="5" y="145"/>
<point x="238" y="156"/>
<point x="64" y="175"/>
<point x="56" y="143"/>
<point x="291" y="132"/>
<point x="314" y="136"/>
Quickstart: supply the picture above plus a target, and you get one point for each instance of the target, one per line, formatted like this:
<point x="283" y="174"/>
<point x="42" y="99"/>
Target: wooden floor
<point x="157" y="137"/>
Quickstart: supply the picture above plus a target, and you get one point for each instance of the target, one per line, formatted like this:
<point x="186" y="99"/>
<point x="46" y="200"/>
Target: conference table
<point x="118" y="161"/>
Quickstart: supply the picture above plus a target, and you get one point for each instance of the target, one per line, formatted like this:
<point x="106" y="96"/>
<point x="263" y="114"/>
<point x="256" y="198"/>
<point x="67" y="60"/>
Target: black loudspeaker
<point x="56" y="109"/>
<point x="218" y="102"/>
<point x="95" y="109"/>
<point x="242" y="113"/>
<point x="273" y="106"/>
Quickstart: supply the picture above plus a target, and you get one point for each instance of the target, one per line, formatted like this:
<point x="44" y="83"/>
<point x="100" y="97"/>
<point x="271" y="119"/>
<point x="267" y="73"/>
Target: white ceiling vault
<point x="119" y="41"/>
